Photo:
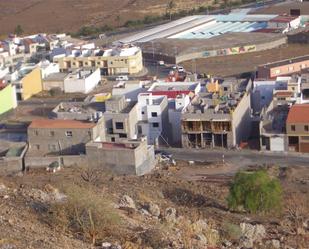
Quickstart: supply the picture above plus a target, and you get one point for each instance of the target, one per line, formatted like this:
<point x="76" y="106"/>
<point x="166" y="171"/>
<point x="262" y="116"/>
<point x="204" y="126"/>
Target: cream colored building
<point x="121" y="60"/>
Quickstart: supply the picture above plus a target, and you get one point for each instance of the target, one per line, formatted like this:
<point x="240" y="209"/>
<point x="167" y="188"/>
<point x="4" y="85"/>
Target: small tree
<point x="256" y="192"/>
<point x="18" y="30"/>
<point x="170" y="6"/>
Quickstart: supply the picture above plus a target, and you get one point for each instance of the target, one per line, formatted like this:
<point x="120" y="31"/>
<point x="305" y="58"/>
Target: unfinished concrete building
<point x="120" y="119"/>
<point x="82" y="110"/>
<point x="273" y="127"/>
<point x="130" y="157"/>
<point x="218" y="119"/>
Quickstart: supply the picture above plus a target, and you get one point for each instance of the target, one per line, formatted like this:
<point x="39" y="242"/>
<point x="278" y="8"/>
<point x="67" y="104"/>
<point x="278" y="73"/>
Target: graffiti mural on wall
<point x="230" y="51"/>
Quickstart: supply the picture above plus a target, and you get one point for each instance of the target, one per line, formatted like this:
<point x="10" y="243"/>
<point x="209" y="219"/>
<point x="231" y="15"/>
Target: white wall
<point x="276" y="143"/>
<point x="51" y="68"/>
<point x="83" y="85"/>
<point x="145" y="108"/>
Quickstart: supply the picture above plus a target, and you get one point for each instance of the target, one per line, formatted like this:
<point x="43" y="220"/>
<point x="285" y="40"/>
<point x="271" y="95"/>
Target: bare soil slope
<point x="70" y="15"/>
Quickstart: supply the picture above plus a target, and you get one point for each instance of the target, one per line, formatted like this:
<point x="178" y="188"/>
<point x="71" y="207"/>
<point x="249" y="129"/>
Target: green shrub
<point x="256" y="192"/>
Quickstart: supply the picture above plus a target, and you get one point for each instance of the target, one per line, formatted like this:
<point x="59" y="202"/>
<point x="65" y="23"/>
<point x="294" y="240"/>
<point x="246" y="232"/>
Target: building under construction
<point x="218" y="117"/>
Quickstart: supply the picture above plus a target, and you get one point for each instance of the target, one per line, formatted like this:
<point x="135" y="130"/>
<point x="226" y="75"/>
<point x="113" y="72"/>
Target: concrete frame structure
<point x="218" y="119"/>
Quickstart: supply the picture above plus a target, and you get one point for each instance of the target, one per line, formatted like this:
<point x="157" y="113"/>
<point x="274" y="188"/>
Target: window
<point x="306" y="128"/>
<point x="69" y="133"/>
<point x="154" y="114"/>
<point x="37" y="146"/>
<point x="263" y="97"/>
<point x="36" y="132"/>
<point x="51" y="133"/>
<point x="293" y="88"/>
<point x="113" y="139"/>
<point x="225" y="88"/>
<point x="139" y="129"/>
<point x="293" y="127"/>
<point x="119" y="125"/>
<point x="155" y="125"/>
<point x="143" y="112"/>
<point x="122" y="135"/>
<point x="89" y="134"/>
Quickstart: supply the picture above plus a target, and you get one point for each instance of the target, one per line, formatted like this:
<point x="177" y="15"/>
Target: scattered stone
<point x="170" y="215"/>
<point x="275" y="243"/>
<point x="153" y="209"/>
<point x="2" y="187"/>
<point x="200" y="226"/>
<point x="251" y="234"/>
<point x="127" y="202"/>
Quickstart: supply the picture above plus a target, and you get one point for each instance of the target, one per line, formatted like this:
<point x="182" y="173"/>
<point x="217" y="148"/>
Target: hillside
<point x="166" y="209"/>
<point x="70" y="15"/>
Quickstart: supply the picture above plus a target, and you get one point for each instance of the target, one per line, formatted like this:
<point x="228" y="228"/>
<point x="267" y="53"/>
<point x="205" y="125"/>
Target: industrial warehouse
<point x="201" y="36"/>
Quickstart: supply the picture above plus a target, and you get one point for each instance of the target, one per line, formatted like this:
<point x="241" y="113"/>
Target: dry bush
<point x="297" y="209"/>
<point x="87" y="215"/>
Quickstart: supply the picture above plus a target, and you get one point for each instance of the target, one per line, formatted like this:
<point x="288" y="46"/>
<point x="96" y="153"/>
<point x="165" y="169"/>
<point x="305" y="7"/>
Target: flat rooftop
<point x="56" y="77"/>
<point x="286" y="62"/>
<point x="80" y="107"/>
<point x="175" y="46"/>
<point x="60" y="124"/>
<point x="202" y="27"/>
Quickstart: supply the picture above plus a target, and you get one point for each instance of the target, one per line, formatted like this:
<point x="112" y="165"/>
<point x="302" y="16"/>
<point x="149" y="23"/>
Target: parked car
<point x="122" y="78"/>
<point x="180" y="69"/>
<point x="161" y="63"/>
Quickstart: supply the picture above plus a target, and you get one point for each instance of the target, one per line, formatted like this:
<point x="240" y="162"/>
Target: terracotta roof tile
<point x="60" y="124"/>
<point x="298" y="113"/>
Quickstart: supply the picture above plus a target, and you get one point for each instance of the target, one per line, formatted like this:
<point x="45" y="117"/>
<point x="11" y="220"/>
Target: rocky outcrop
<point x="251" y="234"/>
<point x="126" y="202"/>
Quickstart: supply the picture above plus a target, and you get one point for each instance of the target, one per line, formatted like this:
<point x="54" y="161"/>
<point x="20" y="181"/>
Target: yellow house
<point x="125" y="60"/>
<point x="31" y="84"/>
<point x="213" y="86"/>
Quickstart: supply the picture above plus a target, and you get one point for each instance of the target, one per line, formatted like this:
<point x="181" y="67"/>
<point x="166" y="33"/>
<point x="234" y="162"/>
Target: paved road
<point x="240" y="158"/>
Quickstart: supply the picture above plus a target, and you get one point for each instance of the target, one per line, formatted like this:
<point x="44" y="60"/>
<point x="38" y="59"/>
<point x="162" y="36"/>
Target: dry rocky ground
<point x="161" y="210"/>
<point x="237" y="64"/>
<point x="70" y="15"/>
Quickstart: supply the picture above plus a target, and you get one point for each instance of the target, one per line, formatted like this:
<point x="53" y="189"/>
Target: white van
<point x="122" y="78"/>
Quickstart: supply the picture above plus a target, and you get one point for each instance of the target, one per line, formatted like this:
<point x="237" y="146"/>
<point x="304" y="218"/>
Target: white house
<point x="48" y="68"/>
<point x="83" y="81"/>
<point x="152" y="117"/>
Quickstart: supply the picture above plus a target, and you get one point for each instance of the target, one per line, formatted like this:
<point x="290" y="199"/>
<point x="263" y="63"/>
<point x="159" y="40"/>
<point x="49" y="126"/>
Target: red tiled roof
<point x="170" y="94"/>
<point x="60" y="124"/>
<point x="298" y="113"/>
